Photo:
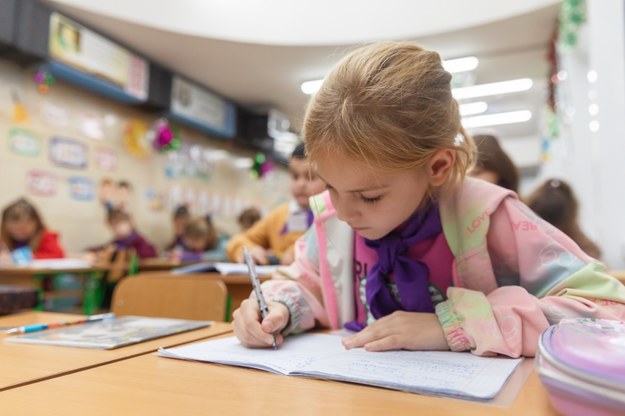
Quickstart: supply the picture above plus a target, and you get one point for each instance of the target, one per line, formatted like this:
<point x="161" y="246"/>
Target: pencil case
<point x="581" y="362"/>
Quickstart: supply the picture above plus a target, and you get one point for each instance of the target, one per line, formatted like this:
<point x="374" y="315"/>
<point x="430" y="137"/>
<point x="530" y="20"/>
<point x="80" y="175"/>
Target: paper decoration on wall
<point x="175" y="196"/>
<point x="24" y="142"/>
<point x="165" y="136"/>
<point x="261" y="166"/>
<point x="106" y="159"/>
<point x="41" y="183"/>
<point x="203" y="202"/>
<point x="54" y="115"/>
<point x="91" y="126"/>
<point x="115" y="194"/>
<point x="136" y="138"/>
<point x="44" y="80"/>
<point x="156" y="199"/>
<point x="19" y="114"/>
<point x="81" y="188"/>
<point x="68" y="153"/>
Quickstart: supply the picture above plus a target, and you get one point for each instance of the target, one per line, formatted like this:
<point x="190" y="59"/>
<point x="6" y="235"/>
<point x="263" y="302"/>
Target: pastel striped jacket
<point x="513" y="274"/>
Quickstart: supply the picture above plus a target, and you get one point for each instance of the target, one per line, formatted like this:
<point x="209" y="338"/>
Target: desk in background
<point x="34" y="276"/>
<point x="23" y="364"/>
<point x="160" y="386"/>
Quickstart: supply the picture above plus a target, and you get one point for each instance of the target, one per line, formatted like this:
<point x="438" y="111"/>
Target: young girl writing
<point x="22" y="227"/>
<point x="403" y="248"/>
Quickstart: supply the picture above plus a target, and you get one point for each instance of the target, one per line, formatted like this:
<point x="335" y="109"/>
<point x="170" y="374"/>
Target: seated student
<point x="180" y="219"/>
<point x="200" y="241"/>
<point x="23" y="228"/>
<point x="493" y="164"/>
<point x="271" y="239"/>
<point x="405" y="249"/>
<point x="248" y="217"/>
<point x="125" y="236"/>
<point x="555" y="202"/>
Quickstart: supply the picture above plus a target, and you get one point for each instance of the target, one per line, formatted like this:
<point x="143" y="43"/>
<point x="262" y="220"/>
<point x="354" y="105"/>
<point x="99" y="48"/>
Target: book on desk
<point x="223" y="268"/>
<point x="110" y="333"/>
<point x="438" y="373"/>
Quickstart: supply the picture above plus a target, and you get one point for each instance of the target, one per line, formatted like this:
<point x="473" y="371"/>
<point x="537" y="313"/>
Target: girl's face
<point x="304" y="181"/>
<point x="373" y="204"/>
<point x="179" y="225"/>
<point x="195" y="244"/>
<point x="121" y="229"/>
<point x="22" y="229"/>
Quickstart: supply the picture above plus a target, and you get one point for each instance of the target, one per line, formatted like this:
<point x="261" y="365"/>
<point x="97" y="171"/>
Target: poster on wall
<point x="156" y="199"/>
<point x="54" y="115"/>
<point x="106" y="159"/>
<point x="81" y="188"/>
<point x="92" y="126"/>
<point x="41" y="183"/>
<point x="68" y="153"/>
<point x="24" y="142"/>
<point x="83" y="49"/>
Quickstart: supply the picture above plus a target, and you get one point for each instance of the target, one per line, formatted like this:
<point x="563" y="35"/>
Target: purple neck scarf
<point x="411" y="276"/>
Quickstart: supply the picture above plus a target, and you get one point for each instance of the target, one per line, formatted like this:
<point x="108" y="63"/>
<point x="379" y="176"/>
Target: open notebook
<point x="109" y="333"/>
<point x="322" y="356"/>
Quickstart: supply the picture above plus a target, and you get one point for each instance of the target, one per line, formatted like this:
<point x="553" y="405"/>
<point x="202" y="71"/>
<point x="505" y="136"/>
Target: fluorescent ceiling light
<point x="494" y="88"/>
<point x="497" y="119"/>
<point x="465" y="64"/>
<point x="470" y="109"/>
<point x="311" y="87"/>
<point x="468" y="63"/>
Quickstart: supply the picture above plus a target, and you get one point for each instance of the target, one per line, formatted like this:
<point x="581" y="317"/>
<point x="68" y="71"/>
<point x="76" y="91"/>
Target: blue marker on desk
<point x="264" y="310"/>
<point x="40" y="327"/>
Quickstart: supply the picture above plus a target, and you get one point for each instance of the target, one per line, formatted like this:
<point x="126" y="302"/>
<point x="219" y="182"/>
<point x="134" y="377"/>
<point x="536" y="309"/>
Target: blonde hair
<point x="388" y="105"/>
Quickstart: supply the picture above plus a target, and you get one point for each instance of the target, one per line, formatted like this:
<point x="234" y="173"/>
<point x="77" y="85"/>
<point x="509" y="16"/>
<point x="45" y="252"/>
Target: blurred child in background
<point x="125" y="237"/>
<point x="23" y="231"/>
<point x="555" y="202"/>
<point x="493" y="164"/>
<point x="200" y="241"/>
<point x="271" y="239"/>
<point x="248" y="217"/>
<point x="180" y="220"/>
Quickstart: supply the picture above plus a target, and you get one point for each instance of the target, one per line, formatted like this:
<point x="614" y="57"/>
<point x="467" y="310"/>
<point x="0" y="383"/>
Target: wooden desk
<point x="33" y="277"/>
<point x="154" y="385"/>
<point x="23" y="364"/>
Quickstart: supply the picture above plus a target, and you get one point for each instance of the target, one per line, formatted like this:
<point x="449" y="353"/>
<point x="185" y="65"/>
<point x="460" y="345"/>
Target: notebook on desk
<point x="223" y="268"/>
<point x="110" y="333"/>
<point x="453" y="374"/>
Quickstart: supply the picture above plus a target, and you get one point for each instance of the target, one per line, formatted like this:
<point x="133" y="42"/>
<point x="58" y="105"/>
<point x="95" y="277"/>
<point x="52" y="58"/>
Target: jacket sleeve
<point x="144" y="248"/>
<point x="256" y="235"/>
<point x="49" y="247"/>
<point x="298" y="287"/>
<point x="542" y="276"/>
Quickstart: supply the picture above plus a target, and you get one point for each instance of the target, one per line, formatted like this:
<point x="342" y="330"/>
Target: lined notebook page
<point x="323" y="356"/>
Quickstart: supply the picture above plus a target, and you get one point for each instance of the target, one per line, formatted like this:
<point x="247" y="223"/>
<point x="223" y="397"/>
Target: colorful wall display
<point x="68" y="153"/>
<point x="81" y="188"/>
<point x="41" y="183"/>
<point x="24" y="142"/>
<point x="105" y="159"/>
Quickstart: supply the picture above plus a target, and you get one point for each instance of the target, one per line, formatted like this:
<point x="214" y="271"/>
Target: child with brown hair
<point x="22" y="227"/>
<point x="199" y="241"/>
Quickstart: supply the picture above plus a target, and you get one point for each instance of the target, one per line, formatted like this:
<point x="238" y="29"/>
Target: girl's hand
<point x="251" y="331"/>
<point x="400" y="330"/>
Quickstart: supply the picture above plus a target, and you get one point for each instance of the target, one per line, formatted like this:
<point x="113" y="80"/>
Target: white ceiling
<point x="258" y="55"/>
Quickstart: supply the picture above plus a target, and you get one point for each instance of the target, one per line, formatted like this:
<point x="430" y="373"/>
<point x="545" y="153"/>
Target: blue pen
<point x="40" y="327"/>
<point x="262" y="304"/>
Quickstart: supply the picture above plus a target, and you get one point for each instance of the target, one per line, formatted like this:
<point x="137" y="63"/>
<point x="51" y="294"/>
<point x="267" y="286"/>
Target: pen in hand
<point x="264" y="310"/>
<point x="40" y="327"/>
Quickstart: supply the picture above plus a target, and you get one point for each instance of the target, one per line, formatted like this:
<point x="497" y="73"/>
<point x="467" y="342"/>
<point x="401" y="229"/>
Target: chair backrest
<point x="170" y="296"/>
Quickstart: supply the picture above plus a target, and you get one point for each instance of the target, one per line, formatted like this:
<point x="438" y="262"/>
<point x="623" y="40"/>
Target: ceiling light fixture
<point x="497" y="119"/>
<point x="471" y="109"/>
<point x="465" y="64"/>
<point x="494" y="88"/>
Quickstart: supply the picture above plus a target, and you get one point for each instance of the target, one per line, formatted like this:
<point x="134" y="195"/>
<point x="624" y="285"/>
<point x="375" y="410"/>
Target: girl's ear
<point x="440" y="165"/>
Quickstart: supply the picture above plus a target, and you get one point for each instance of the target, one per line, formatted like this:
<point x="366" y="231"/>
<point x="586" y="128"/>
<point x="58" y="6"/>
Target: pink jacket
<point x="513" y="274"/>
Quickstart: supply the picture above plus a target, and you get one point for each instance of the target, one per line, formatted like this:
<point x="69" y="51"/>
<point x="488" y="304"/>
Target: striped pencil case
<point x="581" y="362"/>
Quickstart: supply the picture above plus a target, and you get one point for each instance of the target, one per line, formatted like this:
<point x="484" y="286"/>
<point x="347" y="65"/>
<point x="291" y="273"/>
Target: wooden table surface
<point x="154" y="385"/>
<point x="23" y="364"/>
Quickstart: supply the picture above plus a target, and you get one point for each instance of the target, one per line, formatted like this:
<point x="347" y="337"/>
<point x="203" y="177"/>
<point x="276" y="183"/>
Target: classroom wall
<point x="207" y="173"/>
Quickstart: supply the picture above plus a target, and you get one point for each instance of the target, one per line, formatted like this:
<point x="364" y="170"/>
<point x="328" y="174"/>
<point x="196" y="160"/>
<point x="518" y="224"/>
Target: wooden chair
<point x="170" y="296"/>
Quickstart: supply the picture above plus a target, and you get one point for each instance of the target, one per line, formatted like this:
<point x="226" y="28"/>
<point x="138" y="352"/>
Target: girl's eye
<point x="370" y="200"/>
